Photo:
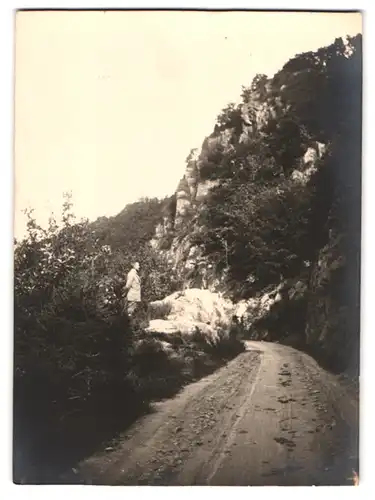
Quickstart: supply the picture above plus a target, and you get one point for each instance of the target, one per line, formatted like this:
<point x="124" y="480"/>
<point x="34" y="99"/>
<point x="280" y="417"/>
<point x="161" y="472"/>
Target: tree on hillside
<point x="229" y="117"/>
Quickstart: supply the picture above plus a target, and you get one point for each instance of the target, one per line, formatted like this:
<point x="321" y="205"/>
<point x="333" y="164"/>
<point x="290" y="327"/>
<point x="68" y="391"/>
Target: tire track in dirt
<point x="272" y="416"/>
<point x="159" y="443"/>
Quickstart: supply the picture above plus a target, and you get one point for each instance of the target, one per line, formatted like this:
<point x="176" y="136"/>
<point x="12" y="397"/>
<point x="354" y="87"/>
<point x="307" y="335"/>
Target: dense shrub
<point x="72" y="340"/>
<point x="260" y="233"/>
<point x="81" y="368"/>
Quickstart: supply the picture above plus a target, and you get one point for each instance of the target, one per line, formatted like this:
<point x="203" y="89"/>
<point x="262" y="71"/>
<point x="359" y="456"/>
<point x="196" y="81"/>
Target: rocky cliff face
<point x="175" y="235"/>
<point x="306" y="115"/>
<point x="332" y="321"/>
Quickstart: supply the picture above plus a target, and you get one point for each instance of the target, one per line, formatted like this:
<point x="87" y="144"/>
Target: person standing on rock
<point x="133" y="289"/>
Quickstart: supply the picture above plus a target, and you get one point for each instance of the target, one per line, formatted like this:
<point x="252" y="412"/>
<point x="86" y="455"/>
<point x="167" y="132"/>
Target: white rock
<point x="311" y="155"/>
<point x="183" y="327"/>
<point x="184" y="311"/>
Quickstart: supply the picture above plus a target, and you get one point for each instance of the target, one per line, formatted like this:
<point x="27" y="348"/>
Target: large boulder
<point x="186" y="311"/>
<point x="171" y="327"/>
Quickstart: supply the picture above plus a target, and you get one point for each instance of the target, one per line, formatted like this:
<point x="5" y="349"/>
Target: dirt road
<point x="272" y="416"/>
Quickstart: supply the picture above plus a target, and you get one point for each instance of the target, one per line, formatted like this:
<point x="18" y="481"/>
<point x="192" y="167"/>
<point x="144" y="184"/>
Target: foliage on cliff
<point x="260" y="222"/>
<point x="285" y="171"/>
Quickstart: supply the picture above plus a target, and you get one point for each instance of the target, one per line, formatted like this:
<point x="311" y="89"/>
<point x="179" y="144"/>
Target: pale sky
<point x="109" y="104"/>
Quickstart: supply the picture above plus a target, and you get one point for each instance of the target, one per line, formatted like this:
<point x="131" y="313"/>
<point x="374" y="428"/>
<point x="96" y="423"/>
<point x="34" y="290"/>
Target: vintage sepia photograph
<point x="187" y="247"/>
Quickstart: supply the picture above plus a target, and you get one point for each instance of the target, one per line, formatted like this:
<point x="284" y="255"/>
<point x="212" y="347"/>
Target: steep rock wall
<point x="291" y="113"/>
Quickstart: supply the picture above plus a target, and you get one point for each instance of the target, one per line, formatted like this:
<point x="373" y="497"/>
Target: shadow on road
<point x="41" y="454"/>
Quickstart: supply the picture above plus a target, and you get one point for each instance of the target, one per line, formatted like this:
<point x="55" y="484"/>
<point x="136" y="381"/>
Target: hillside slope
<point x="272" y="200"/>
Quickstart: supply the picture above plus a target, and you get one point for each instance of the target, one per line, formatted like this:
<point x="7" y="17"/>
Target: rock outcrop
<point x="310" y="163"/>
<point x="174" y="235"/>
